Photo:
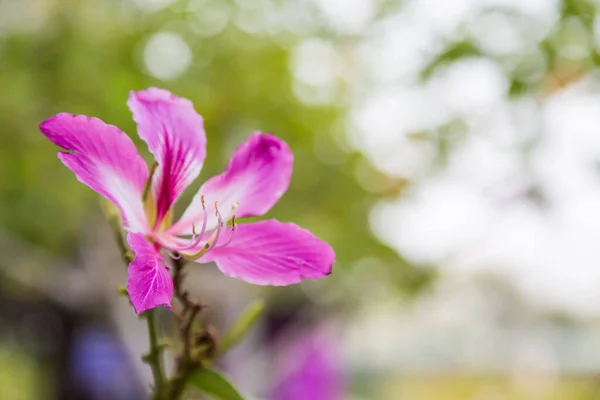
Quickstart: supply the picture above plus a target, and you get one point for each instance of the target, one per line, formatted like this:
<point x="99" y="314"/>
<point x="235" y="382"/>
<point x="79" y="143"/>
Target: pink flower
<point x="309" y="367"/>
<point x="105" y="159"/>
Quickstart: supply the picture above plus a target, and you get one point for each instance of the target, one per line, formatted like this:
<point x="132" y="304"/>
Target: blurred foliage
<point x="457" y="387"/>
<point x="551" y="65"/>
<point x="21" y="377"/>
<point x="85" y="56"/>
<point x="212" y="382"/>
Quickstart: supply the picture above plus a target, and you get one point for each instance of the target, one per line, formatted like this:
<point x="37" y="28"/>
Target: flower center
<point x="151" y="206"/>
<point x="219" y="238"/>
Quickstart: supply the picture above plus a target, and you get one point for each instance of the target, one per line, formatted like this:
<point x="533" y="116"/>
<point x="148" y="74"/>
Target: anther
<point x="213" y="241"/>
<point x="230" y="239"/>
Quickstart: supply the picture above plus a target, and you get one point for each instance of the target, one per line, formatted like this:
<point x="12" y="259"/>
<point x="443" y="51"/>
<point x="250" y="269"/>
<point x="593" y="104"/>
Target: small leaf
<point x="243" y="325"/>
<point x="214" y="384"/>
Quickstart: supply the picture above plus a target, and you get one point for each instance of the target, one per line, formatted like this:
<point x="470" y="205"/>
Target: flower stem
<point x="154" y="356"/>
<point x="187" y="362"/>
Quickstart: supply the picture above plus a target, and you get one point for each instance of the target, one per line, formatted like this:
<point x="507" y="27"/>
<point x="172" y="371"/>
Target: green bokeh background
<point x="84" y="56"/>
<point x="87" y="57"/>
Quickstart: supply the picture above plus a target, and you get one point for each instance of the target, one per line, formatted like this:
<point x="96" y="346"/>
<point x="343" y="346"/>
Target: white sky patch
<point x="470" y="86"/>
<point x="208" y="18"/>
<point x="568" y="160"/>
<point x="167" y="55"/>
<point x="520" y="193"/>
<point x="442" y="17"/>
<point x="386" y="120"/>
<point x="315" y="66"/>
<point x="488" y="166"/>
<point x="250" y="20"/>
<point x="347" y="16"/>
<point x="397" y="49"/>
<point x="477" y="213"/>
<point x="499" y="34"/>
<point x="435" y="223"/>
<point x="295" y="18"/>
<point x="314" y="95"/>
<point x="384" y="123"/>
<point x="314" y="62"/>
<point x="537" y="8"/>
<point x="153" y="5"/>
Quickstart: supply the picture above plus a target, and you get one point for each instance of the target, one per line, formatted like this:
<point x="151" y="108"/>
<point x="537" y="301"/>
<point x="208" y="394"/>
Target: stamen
<point x="205" y="218"/>
<point x="194" y="234"/>
<point x="172" y="254"/>
<point x="230" y="239"/>
<point x="213" y="241"/>
<point x="197" y="238"/>
<point x="219" y="227"/>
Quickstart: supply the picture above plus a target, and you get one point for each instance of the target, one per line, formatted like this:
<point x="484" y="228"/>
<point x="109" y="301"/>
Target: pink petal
<point x="103" y="158"/>
<point x="273" y="253"/>
<point x="258" y="174"/>
<point x="149" y="284"/>
<point x="175" y="136"/>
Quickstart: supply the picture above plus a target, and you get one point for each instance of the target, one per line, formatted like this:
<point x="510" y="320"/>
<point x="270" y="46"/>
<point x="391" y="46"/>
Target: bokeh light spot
<point x="167" y="55"/>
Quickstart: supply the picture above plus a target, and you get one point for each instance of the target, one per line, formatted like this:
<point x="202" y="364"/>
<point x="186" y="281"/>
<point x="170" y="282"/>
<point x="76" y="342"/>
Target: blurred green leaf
<point x="453" y="52"/>
<point x="517" y="88"/>
<point x="242" y="326"/>
<point x="582" y="9"/>
<point x="214" y="384"/>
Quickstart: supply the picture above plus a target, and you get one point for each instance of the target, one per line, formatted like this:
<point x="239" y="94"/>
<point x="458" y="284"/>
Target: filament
<point x="219" y="227"/>
<point x="230" y="239"/>
<point x="173" y="255"/>
<point x="197" y="238"/>
<point x="212" y="242"/>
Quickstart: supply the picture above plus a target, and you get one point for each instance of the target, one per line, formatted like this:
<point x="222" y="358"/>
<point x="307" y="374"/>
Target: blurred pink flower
<point x="105" y="159"/>
<point x="310" y="368"/>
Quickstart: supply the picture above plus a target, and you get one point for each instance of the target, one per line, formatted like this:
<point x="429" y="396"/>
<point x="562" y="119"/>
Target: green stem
<point x="187" y="362"/>
<point x="154" y="358"/>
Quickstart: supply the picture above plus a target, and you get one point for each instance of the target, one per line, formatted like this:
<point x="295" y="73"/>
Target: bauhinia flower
<point x="309" y="367"/>
<point x="105" y="159"/>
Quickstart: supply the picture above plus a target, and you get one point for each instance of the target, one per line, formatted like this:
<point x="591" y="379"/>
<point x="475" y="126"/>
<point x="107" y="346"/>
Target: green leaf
<point x="213" y="383"/>
<point x="243" y="325"/>
<point x="453" y="52"/>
